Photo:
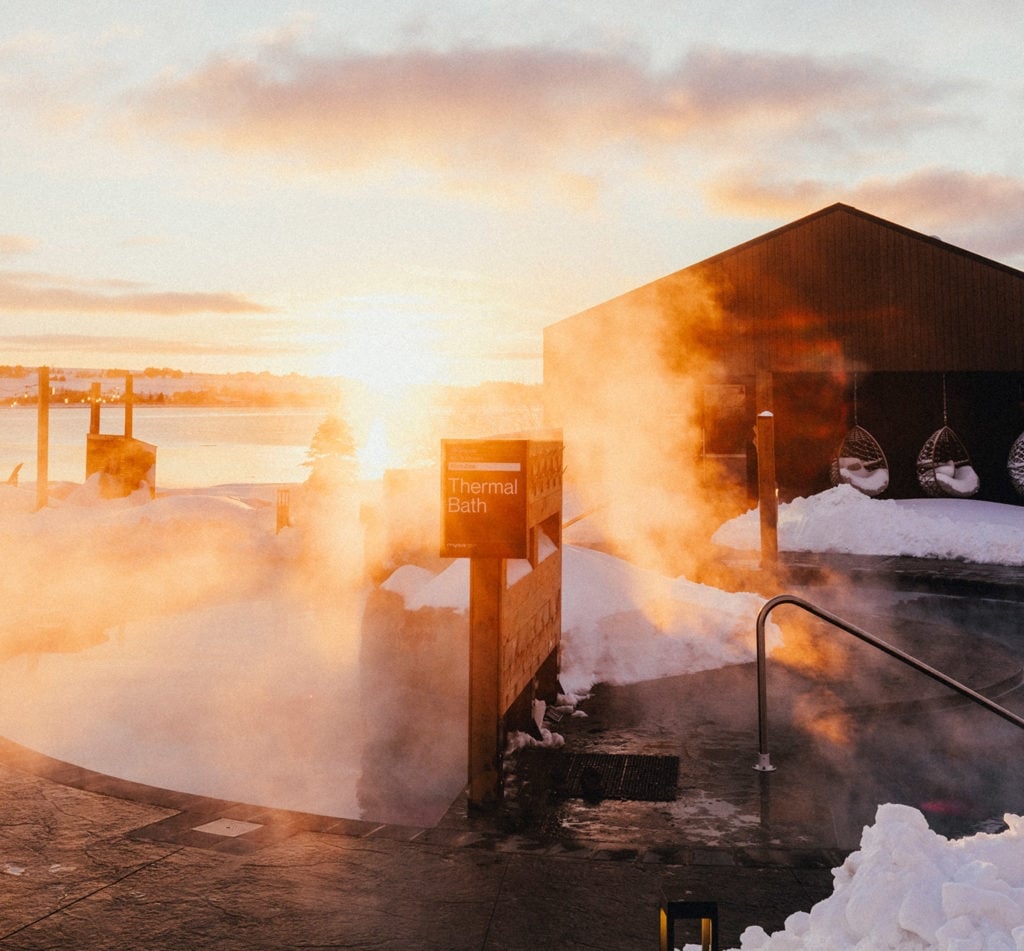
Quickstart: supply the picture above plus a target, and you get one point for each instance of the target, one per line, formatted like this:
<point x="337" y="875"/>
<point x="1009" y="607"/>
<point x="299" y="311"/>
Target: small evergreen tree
<point x="331" y="456"/>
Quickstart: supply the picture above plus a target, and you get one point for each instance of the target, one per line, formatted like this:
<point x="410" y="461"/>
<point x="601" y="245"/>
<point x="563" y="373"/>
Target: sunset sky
<point x="404" y="192"/>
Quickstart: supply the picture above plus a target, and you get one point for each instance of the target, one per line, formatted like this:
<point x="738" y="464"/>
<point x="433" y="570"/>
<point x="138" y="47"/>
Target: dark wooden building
<point x="836" y="318"/>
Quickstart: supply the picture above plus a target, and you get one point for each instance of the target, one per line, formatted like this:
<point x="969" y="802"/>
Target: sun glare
<point x="375" y="455"/>
<point x="384" y="346"/>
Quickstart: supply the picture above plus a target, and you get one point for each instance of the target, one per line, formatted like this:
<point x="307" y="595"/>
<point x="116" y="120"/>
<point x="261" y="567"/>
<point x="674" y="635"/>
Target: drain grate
<point x="594" y="776"/>
<point x="228" y="827"/>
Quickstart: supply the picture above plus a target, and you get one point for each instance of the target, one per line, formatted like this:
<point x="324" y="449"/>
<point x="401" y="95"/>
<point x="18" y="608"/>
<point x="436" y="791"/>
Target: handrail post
<point x="764" y="760"/>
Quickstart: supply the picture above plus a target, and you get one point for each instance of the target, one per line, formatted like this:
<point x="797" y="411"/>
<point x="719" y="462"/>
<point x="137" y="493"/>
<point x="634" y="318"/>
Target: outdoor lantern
<point x="704" y="912"/>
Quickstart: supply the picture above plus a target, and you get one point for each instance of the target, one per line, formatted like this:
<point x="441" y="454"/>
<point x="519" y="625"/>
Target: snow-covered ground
<point x="844" y="520"/>
<point x="193" y="647"/>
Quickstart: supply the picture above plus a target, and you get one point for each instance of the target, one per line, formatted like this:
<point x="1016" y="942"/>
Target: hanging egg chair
<point x="1015" y="464"/>
<point x="859" y="460"/>
<point x="943" y="465"/>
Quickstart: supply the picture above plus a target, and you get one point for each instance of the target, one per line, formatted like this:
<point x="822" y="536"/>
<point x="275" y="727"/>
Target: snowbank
<point x="847" y="521"/>
<point x="908" y="888"/>
<point x="620" y="624"/>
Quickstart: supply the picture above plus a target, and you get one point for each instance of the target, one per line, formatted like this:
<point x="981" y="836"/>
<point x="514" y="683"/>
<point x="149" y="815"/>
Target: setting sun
<point x="387" y="352"/>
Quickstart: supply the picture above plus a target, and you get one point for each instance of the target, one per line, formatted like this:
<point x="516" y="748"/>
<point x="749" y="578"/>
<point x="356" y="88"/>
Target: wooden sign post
<point x="43" y="441"/>
<point x="501" y="499"/>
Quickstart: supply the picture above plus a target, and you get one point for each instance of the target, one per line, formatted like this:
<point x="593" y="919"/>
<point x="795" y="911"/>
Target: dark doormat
<point x="595" y="776"/>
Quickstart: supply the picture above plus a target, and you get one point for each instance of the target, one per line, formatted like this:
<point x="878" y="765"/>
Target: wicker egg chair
<point x="859" y="460"/>
<point x="943" y="464"/>
<point x="1015" y="464"/>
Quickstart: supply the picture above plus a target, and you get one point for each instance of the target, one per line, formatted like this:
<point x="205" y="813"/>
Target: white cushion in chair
<point x="963" y="482"/>
<point x="868" y="481"/>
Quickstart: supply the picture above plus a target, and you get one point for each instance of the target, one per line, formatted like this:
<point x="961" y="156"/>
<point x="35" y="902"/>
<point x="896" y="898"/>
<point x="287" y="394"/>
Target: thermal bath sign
<point x="483" y="498"/>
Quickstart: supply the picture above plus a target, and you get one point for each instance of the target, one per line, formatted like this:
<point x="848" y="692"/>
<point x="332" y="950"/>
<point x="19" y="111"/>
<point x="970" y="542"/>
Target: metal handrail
<point x="764" y="760"/>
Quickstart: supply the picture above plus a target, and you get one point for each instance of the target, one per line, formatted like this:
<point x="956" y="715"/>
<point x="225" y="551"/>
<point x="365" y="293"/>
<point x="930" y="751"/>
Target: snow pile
<point x="847" y="521"/>
<point x="909" y="889"/>
<point x="411" y="581"/>
<point x="161" y="527"/>
<point x="90" y="493"/>
<point x="84" y="562"/>
<point x="620" y="624"/>
<point x="15" y="500"/>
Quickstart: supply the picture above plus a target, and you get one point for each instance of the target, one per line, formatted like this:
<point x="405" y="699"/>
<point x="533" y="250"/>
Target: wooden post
<point x="94" y="408"/>
<point x="486" y="580"/>
<point x="129" y="403"/>
<point x="43" y="441"/>
<point x="496" y="496"/>
<point x="767" y="491"/>
<point x="284" y="502"/>
<point x="764" y="390"/>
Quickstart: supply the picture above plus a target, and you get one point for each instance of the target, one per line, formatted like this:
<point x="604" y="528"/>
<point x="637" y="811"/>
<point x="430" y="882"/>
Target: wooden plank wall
<point x="846" y="291"/>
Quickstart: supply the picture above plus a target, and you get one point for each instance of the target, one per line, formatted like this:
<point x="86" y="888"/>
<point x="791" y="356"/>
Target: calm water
<point x="196" y="446"/>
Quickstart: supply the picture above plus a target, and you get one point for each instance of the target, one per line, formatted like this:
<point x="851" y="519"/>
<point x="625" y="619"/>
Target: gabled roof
<point x="841" y="208"/>
<point x="836" y="288"/>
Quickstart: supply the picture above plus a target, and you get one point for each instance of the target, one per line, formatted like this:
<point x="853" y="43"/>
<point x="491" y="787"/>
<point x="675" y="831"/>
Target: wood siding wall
<point x="845" y="291"/>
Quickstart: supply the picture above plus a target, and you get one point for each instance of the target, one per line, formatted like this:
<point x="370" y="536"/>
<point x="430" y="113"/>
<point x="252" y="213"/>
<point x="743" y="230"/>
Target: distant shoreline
<point x="156" y="404"/>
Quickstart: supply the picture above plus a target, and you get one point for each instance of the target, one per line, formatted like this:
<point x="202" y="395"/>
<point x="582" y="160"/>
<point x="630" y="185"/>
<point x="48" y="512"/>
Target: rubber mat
<point x="594" y="776"/>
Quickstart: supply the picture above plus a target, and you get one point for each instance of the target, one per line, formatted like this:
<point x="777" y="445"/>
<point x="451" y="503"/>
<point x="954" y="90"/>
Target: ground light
<point x="703" y="912"/>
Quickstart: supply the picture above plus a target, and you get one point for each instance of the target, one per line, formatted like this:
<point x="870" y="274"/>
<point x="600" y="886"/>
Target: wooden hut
<point x="795" y="322"/>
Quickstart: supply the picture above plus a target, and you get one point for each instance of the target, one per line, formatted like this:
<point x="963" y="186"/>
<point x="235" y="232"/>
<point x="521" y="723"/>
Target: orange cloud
<point x="22" y="291"/>
<point x="765" y="90"/>
<point x="126" y="348"/>
<point x="508" y="109"/>
<point x="16" y="244"/>
<point x="981" y="210"/>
